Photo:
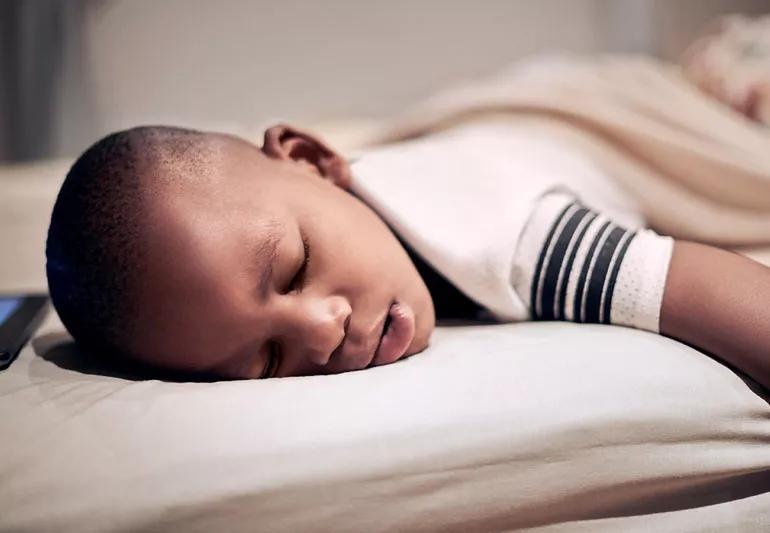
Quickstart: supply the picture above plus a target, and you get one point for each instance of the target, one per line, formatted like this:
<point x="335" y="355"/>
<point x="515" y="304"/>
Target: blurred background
<point x="72" y="71"/>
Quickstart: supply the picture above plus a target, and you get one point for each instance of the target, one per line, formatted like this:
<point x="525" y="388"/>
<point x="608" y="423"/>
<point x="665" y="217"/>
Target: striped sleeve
<point x="575" y="264"/>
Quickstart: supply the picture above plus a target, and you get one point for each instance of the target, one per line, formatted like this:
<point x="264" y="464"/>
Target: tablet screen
<point x="8" y="306"/>
<point x="20" y="315"/>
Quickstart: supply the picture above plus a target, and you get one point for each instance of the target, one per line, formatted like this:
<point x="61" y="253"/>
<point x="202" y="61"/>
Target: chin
<point x="419" y="347"/>
<point x="424" y="333"/>
<point x="421" y="341"/>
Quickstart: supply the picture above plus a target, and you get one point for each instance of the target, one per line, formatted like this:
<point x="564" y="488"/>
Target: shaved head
<point x="94" y="253"/>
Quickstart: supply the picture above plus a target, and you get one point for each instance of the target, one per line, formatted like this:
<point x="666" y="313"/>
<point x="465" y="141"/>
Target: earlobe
<point x="286" y="143"/>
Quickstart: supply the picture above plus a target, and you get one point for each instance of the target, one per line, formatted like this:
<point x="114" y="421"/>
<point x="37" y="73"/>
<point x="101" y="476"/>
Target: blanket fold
<point x="698" y="170"/>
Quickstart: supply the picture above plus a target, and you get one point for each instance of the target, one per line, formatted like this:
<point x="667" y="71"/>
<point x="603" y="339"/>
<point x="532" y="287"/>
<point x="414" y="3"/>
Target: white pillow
<point x="493" y="427"/>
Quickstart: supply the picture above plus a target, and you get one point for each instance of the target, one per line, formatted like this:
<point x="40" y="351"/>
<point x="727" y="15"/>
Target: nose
<point x="318" y="327"/>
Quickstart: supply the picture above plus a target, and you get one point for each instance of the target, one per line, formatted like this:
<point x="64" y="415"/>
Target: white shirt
<point x="460" y="199"/>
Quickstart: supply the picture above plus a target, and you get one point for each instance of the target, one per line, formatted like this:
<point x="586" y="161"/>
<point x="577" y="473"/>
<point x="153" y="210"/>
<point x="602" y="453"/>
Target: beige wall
<point x="235" y="64"/>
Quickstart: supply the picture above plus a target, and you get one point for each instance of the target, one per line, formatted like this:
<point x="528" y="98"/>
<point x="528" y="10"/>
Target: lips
<point x="397" y="330"/>
<point x="398" y="334"/>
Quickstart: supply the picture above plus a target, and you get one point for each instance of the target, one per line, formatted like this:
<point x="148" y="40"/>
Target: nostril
<point x="347" y="323"/>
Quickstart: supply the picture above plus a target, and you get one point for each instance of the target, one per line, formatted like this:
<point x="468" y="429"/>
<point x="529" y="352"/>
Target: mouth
<point x="388" y="321"/>
<point x="397" y="334"/>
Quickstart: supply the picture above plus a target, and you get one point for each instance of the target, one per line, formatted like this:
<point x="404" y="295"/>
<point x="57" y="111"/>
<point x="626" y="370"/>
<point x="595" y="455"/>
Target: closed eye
<point x="298" y="281"/>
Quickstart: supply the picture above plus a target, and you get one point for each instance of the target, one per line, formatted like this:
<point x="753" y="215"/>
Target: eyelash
<point x="298" y="281"/>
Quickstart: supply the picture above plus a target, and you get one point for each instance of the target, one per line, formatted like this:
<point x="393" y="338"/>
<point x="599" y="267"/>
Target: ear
<point x="290" y="144"/>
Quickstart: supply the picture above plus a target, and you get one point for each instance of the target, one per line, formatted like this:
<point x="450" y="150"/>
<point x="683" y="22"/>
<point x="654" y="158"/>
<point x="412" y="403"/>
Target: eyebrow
<point x="267" y="252"/>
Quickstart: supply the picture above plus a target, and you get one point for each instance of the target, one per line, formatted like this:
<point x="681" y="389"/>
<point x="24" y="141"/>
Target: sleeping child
<point x="205" y="254"/>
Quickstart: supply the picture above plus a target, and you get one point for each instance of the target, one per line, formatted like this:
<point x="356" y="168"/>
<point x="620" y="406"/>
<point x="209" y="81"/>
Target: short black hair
<point x="93" y="251"/>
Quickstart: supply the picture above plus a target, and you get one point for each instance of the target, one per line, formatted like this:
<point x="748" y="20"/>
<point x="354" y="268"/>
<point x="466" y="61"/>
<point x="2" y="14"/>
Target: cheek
<point x="359" y="247"/>
<point x="355" y="230"/>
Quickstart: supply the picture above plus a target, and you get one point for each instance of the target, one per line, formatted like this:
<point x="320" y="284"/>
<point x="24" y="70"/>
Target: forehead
<point x="207" y="241"/>
<point x="201" y="287"/>
<point x="220" y="232"/>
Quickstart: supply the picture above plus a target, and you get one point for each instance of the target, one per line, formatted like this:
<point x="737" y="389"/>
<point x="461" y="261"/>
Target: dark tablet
<point x="20" y="316"/>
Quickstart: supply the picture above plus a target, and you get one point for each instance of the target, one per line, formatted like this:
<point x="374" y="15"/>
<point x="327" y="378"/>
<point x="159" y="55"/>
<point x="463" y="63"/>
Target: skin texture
<point x="207" y="233"/>
<point x="718" y="301"/>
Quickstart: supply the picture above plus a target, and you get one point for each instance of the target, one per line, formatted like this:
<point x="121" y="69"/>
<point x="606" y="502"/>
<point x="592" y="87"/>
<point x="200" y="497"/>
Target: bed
<point x="532" y="427"/>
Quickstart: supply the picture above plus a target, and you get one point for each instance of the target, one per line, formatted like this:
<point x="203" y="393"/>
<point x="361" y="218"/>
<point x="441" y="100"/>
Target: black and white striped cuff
<point x="575" y="264"/>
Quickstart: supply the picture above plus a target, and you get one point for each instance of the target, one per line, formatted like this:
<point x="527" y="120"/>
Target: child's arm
<point x="575" y="264"/>
<point x="719" y="301"/>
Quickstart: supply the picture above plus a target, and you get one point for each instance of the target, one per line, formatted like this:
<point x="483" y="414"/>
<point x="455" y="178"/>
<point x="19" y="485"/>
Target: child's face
<point x="211" y="245"/>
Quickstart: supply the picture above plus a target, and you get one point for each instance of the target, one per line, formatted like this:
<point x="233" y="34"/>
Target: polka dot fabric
<point x="575" y="264"/>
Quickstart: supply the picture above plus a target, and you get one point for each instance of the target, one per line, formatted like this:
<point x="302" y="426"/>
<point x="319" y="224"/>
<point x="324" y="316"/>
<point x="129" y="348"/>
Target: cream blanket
<point x="698" y="170"/>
